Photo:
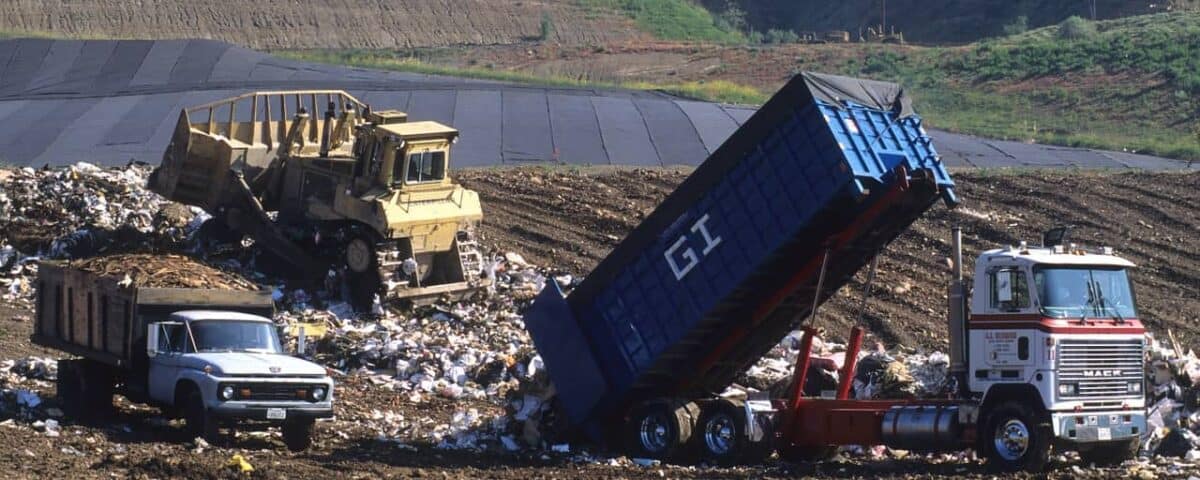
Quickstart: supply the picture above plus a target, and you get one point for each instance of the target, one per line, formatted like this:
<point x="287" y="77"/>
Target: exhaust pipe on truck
<point x="957" y="314"/>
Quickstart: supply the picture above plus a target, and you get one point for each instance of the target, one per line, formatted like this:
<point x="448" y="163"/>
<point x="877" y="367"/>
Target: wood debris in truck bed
<point x="164" y="271"/>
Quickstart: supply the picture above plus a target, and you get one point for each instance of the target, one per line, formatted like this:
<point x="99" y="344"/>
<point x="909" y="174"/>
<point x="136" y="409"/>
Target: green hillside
<point x="932" y="21"/>
<point x="1129" y="84"/>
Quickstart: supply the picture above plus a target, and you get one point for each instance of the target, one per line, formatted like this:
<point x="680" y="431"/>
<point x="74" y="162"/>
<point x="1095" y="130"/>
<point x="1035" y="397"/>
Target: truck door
<point x="1009" y="296"/>
<point x="164" y="367"/>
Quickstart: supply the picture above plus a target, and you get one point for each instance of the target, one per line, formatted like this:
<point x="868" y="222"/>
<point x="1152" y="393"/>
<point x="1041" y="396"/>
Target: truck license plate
<point x="276" y="414"/>
<point x="1104" y="434"/>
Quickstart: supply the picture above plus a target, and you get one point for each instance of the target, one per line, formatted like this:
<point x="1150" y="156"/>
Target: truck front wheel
<point x="1111" y="453"/>
<point x="199" y="422"/>
<point x="1013" y="439"/>
<point x="298" y="433"/>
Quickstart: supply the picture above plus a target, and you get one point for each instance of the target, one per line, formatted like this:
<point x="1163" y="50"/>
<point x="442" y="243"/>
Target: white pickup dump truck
<point x="212" y="357"/>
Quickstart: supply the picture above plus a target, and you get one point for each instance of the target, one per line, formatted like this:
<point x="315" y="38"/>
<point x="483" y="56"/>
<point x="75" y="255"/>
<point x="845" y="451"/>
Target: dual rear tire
<point x="685" y="432"/>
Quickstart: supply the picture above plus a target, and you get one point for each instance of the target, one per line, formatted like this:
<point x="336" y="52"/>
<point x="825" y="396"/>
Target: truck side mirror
<point x="152" y="339"/>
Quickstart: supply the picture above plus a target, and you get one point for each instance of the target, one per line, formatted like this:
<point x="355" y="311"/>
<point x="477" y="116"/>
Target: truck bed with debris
<point x="783" y="214"/>
<point x="98" y="308"/>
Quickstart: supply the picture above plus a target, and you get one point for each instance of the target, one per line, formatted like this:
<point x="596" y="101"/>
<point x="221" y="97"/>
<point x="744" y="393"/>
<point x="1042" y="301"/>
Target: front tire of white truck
<point x="199" y="422"/>
<point x="298" y="434"/>
<point x="1014" y="439"/>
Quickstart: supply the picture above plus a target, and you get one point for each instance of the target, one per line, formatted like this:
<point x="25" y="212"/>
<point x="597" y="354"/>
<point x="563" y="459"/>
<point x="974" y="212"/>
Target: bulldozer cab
<point x="403" y="156"/>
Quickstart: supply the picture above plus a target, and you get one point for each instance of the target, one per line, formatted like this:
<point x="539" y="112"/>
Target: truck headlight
<point x="318" y="393"/>
<point x="227" y="392"/>
<point x="1135" y="387"/>
<point x="1066" y="389"/>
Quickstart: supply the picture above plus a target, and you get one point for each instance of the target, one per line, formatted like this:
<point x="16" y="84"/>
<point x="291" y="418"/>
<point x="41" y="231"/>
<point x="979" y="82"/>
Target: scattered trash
<point x="239" y="463"/>
<point x="28" y="399"/>
<point x="645" y="462"/>
<point x="50" y="427"/>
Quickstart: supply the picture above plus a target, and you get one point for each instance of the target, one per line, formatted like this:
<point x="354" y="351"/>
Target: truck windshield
<point x="235" y="336"/>
<point x="1079" y="292"/>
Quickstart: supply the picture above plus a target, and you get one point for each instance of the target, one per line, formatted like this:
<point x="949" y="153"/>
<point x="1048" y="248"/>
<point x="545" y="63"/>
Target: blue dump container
<point x="730" y="262"/>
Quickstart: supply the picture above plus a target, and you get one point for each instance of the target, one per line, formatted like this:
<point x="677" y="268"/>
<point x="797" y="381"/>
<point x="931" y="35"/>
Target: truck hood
<point x="245" y="363"/>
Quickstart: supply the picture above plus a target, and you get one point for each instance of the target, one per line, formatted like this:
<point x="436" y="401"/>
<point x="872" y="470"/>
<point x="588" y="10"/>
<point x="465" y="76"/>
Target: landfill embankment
<point x="456" y="389"/>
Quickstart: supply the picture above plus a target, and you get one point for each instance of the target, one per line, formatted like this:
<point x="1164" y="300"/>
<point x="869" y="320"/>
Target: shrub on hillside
<point x="547" y="27"/>
<point x="778" y="36"/>
<point x="1018" y="26"/>
<point x="1076" y="28"/>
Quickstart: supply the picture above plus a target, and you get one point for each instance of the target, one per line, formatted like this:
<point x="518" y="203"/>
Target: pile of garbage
<point x="81" y="211"/>
<point x="472" y="352"/>
<point x="20" y="382"/>
<point x="899" y="373"/>
<point x="1173" y="397"/>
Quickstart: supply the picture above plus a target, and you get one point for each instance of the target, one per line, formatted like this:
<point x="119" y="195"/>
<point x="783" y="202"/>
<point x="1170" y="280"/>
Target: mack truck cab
<point x="221" y="368"/>
<point x="1046" y="351"/>
<point x="1054" y="350"/>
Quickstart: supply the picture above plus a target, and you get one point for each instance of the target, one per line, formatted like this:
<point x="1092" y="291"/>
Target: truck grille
<point x="1100" y="368"/>
<point x="274" y="391"/>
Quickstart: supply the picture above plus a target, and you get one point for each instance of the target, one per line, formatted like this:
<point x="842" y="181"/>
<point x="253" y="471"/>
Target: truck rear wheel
<point x="721" y="434"/>
<point x="197" y="419"/>
<point x="1014" y="439"/>
<point x="1111" y="453"/>
<point x="298" y="433"/>
<point x="661" y="430"/>
<point x="84" y="389"/>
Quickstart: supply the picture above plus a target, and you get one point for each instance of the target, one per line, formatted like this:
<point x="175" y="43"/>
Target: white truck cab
<point x="222" y="366"/>
<point x="1057" y="328"/>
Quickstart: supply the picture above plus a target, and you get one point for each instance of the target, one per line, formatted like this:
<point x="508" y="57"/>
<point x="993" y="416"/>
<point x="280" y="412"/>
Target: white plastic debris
<point x="51" y="428"/>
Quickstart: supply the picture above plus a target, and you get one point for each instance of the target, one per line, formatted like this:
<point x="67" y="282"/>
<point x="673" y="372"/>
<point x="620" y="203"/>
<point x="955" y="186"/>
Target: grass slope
<point x="669" y="19"/>
<point x="1131" y="85"/>
<point x="713" y="91"/>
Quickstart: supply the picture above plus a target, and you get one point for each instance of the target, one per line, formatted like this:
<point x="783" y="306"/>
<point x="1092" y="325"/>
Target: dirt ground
<point x="275" y="24"/>
<point x="570" y="219"/>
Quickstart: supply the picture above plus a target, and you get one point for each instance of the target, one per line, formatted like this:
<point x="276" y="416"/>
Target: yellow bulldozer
<point x="352" y="194"/>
